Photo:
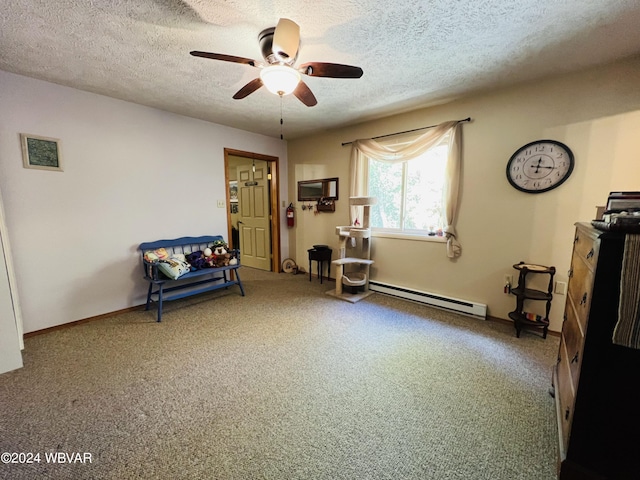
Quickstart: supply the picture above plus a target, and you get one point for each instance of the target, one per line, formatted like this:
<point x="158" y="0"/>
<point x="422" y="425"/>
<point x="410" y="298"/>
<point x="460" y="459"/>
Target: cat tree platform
<point x="351" y="279"/>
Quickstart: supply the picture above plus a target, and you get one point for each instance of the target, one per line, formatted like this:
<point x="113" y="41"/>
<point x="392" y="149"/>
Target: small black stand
<point x="522" y="293"/>
<point x="320" y="255"/>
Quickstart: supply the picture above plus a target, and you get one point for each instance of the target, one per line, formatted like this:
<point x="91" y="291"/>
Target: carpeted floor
<point x="284" y="383"/>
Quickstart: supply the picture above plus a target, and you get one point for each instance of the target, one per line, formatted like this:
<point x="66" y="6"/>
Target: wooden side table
<point x="320" y="256"/>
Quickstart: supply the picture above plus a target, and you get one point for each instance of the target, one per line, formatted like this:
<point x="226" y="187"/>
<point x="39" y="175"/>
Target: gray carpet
<point x="284" y="383"/>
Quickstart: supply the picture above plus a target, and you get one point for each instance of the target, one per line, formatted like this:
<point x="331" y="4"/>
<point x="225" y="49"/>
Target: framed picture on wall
<point x="41" y="152"/>
<point x="233" y="191"/>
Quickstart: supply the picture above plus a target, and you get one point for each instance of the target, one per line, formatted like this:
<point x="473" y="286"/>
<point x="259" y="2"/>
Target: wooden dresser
<point x="596" y="383"/>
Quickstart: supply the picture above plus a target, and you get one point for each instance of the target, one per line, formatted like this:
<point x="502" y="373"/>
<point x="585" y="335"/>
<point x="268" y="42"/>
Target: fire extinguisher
<point x="290" y="215"/>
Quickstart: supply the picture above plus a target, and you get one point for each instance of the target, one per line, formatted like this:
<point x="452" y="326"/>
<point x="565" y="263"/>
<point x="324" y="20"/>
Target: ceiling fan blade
<point x="333" y="70"/>
<point x="305" y="95"/>
<point x="248" y="89"/>
<point x="226" y="58"/>
<point x="286" y="40"/>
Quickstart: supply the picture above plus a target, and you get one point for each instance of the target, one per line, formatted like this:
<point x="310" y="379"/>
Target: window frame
<point x="401" y="233"/>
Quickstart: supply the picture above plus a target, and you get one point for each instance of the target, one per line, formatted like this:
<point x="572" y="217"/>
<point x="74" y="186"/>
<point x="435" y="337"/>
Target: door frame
<point x="274" y="200"/>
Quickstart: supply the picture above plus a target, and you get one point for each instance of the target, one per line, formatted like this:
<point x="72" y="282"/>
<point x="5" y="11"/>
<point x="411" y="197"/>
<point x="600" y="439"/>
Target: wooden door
<point x="254" y="222"/>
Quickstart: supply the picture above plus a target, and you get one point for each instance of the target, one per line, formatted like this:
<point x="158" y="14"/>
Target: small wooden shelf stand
<point x="522" y="293"/>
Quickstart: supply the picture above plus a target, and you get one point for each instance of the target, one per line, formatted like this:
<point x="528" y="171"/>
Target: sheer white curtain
<point x="362" y="150"/>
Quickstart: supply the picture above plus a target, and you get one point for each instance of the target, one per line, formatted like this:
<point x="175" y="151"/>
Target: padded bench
<point x="188" y="281"/>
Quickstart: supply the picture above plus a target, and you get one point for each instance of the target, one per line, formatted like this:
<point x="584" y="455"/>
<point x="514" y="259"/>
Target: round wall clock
<point x="540" y="166"/>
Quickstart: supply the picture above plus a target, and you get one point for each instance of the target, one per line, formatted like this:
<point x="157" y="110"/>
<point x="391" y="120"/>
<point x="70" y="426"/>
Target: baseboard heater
<point x="478" y="310"/>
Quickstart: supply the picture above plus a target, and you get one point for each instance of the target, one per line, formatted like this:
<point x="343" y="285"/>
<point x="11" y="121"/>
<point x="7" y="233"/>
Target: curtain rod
<point x="468" y="119"/>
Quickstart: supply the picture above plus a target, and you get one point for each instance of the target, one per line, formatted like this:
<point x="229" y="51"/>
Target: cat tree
<point x="352" y="277"/>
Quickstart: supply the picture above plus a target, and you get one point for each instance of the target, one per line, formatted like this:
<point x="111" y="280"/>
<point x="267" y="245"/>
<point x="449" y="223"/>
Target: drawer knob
<point x="575" y="240"/>
<point x="575" y="358"/>
<point x="584" y="299"/>
<point x="590" y="254"/>
<point x="566" y="414"/>
<point x="570" y="273"/>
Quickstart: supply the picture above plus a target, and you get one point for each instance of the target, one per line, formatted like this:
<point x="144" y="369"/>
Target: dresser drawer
<point x="573" y="337"/>
<point x="566" y="394"/>
<point x="580" y="289"/>
<point x="586" y="247"/>
<point x="596" y="402"/>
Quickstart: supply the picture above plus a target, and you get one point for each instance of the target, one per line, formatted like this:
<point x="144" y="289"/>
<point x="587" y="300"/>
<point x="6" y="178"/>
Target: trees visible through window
<point x="409" y="193"/>
<point x="417" y="197"/>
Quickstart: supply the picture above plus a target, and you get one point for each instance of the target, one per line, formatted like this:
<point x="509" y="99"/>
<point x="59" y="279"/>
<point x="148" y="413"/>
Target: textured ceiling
<point x="414" y="53"/>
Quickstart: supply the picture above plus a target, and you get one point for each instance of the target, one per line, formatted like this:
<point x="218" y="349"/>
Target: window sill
<point x="410" y="236"/>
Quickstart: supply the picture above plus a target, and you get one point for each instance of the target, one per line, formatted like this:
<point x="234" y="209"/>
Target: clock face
<point x="540" y="166"/>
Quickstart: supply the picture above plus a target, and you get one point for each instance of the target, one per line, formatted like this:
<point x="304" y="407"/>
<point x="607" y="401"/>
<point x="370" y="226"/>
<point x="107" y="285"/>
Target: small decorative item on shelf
<point x="525" y="319"/>
<point x="533" y="317"/>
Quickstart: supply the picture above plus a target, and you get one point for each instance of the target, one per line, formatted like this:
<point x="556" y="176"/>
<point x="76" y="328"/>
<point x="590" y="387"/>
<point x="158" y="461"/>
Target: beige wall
<point x="596" y="113"/>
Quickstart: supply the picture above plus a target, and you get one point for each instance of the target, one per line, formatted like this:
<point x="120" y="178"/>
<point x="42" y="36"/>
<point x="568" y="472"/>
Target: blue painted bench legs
<point x="239" y="281"/>
<point x="149" y="296"/>
<point x="160" y="291"/>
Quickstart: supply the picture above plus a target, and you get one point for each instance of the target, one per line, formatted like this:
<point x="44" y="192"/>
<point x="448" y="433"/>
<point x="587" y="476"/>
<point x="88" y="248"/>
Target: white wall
<point x="131" y="174"/>
<point x="596" y="113"/>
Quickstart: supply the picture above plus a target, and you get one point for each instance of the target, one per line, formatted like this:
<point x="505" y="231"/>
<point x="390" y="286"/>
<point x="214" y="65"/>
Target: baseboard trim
<point x="81" y="321"/>
<point x="140" y="307"/>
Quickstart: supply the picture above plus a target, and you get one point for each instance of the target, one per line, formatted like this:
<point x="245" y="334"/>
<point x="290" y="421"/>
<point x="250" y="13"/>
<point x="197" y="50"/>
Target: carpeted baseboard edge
<point x="509" y="321"/>
<point x="138" y="307"/>
<point x="83" y="320"/>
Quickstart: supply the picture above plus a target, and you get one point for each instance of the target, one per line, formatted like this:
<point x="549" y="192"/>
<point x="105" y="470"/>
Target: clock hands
<point x="538" y="166"/>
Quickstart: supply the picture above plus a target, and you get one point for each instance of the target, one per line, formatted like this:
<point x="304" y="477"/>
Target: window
<point x="407" y="202"/>
<point x="409" y="193"/>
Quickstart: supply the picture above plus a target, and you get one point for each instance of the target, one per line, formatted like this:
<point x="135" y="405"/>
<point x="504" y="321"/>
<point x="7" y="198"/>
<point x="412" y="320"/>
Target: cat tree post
<point x="360" y="236"/>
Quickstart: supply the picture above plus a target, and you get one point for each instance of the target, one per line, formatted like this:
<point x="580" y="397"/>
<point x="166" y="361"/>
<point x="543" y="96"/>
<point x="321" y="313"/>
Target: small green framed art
<point x="41" y="152"/>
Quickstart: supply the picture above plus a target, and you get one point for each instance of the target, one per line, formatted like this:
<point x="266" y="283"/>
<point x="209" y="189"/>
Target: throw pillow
<point x="175" y="266"/>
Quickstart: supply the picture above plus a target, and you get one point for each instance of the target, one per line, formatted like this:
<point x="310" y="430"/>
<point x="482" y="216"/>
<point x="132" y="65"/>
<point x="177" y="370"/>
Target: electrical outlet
<point x="220" y="203"/>
<point x="561" y="288"/>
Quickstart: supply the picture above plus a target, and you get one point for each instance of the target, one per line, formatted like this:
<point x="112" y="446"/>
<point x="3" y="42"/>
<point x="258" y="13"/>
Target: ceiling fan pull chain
<point x="281" y="121"/>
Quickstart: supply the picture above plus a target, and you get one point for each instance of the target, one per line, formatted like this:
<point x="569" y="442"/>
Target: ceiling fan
<point x="280" y="46"/>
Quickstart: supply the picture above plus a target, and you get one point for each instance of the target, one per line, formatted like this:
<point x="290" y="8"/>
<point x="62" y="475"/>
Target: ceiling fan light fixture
<point x="280" y="46"/>
<point x="280" y="79"/>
